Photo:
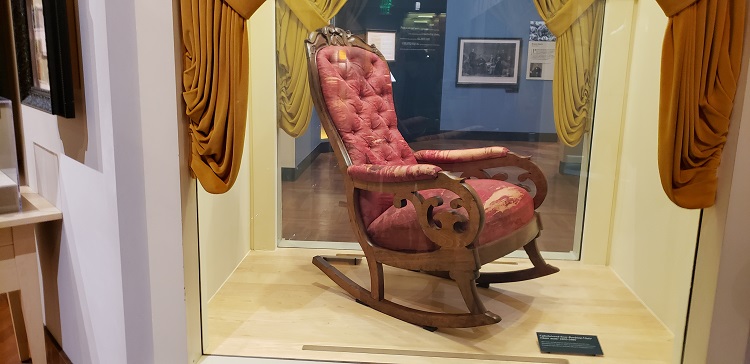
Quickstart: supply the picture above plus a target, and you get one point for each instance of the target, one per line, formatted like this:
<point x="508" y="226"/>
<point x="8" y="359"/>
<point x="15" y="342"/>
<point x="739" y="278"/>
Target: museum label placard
<point x="555" y="343"/>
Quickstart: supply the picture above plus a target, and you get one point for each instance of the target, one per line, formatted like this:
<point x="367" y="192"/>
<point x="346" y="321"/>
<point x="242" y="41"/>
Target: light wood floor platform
<point x="277" y="304"/>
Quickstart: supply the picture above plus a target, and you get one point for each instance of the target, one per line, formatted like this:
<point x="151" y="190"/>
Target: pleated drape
<point x="578" y="27"/>
<point x="295" y="19"/>
<point x="701" y="62"/>
<point x="215" y="86"/>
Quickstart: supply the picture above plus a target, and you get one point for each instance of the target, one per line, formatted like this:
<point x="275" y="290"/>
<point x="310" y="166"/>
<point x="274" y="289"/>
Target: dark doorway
<point x="418" y="65"/>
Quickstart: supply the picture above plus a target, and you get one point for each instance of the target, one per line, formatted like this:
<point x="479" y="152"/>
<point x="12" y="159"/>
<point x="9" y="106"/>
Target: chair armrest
<point x="402" y="173"/>
<point x="456" y="227"/>
<point x="460" y="155"/>
<point x="488" y="168"/>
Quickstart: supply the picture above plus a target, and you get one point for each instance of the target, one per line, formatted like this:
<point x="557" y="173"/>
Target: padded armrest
<point x="402" y="173"/>
<point x="460" y="155"/>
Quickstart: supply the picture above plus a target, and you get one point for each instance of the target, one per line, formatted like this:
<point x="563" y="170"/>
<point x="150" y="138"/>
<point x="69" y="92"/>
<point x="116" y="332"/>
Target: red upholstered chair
<point x="435" y="211"/>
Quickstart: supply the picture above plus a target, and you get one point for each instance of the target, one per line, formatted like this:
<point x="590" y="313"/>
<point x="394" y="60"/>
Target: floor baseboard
<point x="291" y="174"/>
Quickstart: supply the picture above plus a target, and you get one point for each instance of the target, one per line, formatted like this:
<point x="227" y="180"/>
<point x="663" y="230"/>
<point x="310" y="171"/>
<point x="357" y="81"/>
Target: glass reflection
<point x="39" y="45"/>
<point x="446" y="98"/>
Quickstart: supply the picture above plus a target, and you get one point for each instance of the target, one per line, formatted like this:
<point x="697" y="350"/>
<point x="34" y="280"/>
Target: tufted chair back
<point x="356" y="87"/>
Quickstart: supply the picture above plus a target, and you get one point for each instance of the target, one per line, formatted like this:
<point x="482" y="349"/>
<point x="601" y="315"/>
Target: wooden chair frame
<point x="459" y="257"/>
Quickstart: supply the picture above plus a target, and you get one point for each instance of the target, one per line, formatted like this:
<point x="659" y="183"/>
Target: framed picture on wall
<point x="492" y="62"/>
<point x="45" y="77"/>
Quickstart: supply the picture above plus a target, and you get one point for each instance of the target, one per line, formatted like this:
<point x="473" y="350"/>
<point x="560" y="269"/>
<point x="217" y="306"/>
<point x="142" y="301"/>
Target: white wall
<point x="157" y="52"/>
<point x="730" y="328"/>
<point x="719" y="323"/>
<point x="653" y="240"/>
<point x="76" y="172"/>
<point x="119" y="277"/>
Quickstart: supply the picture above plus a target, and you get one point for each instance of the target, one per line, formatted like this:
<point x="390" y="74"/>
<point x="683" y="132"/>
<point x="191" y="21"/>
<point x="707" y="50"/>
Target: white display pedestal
<point x="9" y="201"/>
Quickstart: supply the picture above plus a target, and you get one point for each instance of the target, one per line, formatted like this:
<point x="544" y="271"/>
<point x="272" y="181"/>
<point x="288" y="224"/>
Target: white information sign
<point x="385" y="42"/>
<point x="540" y="63"/>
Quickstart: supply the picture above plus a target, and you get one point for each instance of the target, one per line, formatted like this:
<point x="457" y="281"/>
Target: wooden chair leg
<point x="16" y="313"/>
<point x="540" y="269"/>
<point x="466" y="284"/>
<point x="377" y="281"/>
<point x="404" y="313"/>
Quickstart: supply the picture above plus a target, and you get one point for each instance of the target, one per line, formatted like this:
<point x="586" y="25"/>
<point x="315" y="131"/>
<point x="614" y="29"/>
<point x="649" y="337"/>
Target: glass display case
<point x="464" y="74"/>
<point x="10" y="198"/>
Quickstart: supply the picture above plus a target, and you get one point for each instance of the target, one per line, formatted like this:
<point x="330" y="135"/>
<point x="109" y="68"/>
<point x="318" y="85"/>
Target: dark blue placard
<point x="569" y="344"/>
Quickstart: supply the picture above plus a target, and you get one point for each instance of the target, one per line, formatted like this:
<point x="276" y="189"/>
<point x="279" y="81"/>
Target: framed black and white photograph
<point x="488" y="62"/>
<point x="40" y="29"/>
<point x="535" y="70"/>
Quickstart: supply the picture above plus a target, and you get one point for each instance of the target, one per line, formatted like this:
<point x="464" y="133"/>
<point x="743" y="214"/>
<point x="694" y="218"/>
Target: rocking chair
<point x="435" y="211"/>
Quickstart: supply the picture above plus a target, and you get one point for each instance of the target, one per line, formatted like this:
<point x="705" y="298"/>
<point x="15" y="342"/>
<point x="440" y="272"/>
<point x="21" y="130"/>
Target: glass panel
<point x="10" y="198"/>
<point x="464" y="75"/>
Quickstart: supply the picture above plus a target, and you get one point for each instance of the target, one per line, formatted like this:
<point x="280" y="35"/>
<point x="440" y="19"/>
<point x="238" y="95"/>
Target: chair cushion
<point x="507" y="208"/>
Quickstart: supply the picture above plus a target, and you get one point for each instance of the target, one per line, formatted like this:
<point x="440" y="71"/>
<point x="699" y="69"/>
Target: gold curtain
<point x="215" y="86"/>
<point x="578" y="27"/>
<point x="295" y="19"/>
<point x="700" y="68"/>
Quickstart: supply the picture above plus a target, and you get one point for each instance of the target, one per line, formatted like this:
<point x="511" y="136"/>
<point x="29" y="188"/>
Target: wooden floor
<point x="8" y="350"/>
<point x="277" y="304"/>
<point x="313" y="206"/>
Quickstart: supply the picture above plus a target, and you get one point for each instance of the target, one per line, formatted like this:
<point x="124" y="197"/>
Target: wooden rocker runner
<point x="442" y="212"/>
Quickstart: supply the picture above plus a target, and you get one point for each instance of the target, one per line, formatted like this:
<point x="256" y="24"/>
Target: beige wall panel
<point x="610" y="104"/>
<point x="245" y="216"/>
<point x="266" y="174"/>
<point x="224" y="228"/>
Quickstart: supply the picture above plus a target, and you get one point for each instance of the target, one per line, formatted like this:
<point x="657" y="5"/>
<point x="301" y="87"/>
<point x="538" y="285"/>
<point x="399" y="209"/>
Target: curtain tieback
<point x="307" y="13"/>
<point x="567" y="15"/>
<point x="672" y="7"/>
<point x="245" y="8"/>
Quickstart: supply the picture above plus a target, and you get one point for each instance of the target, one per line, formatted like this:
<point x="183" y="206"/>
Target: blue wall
<point x="493" y="109"/>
